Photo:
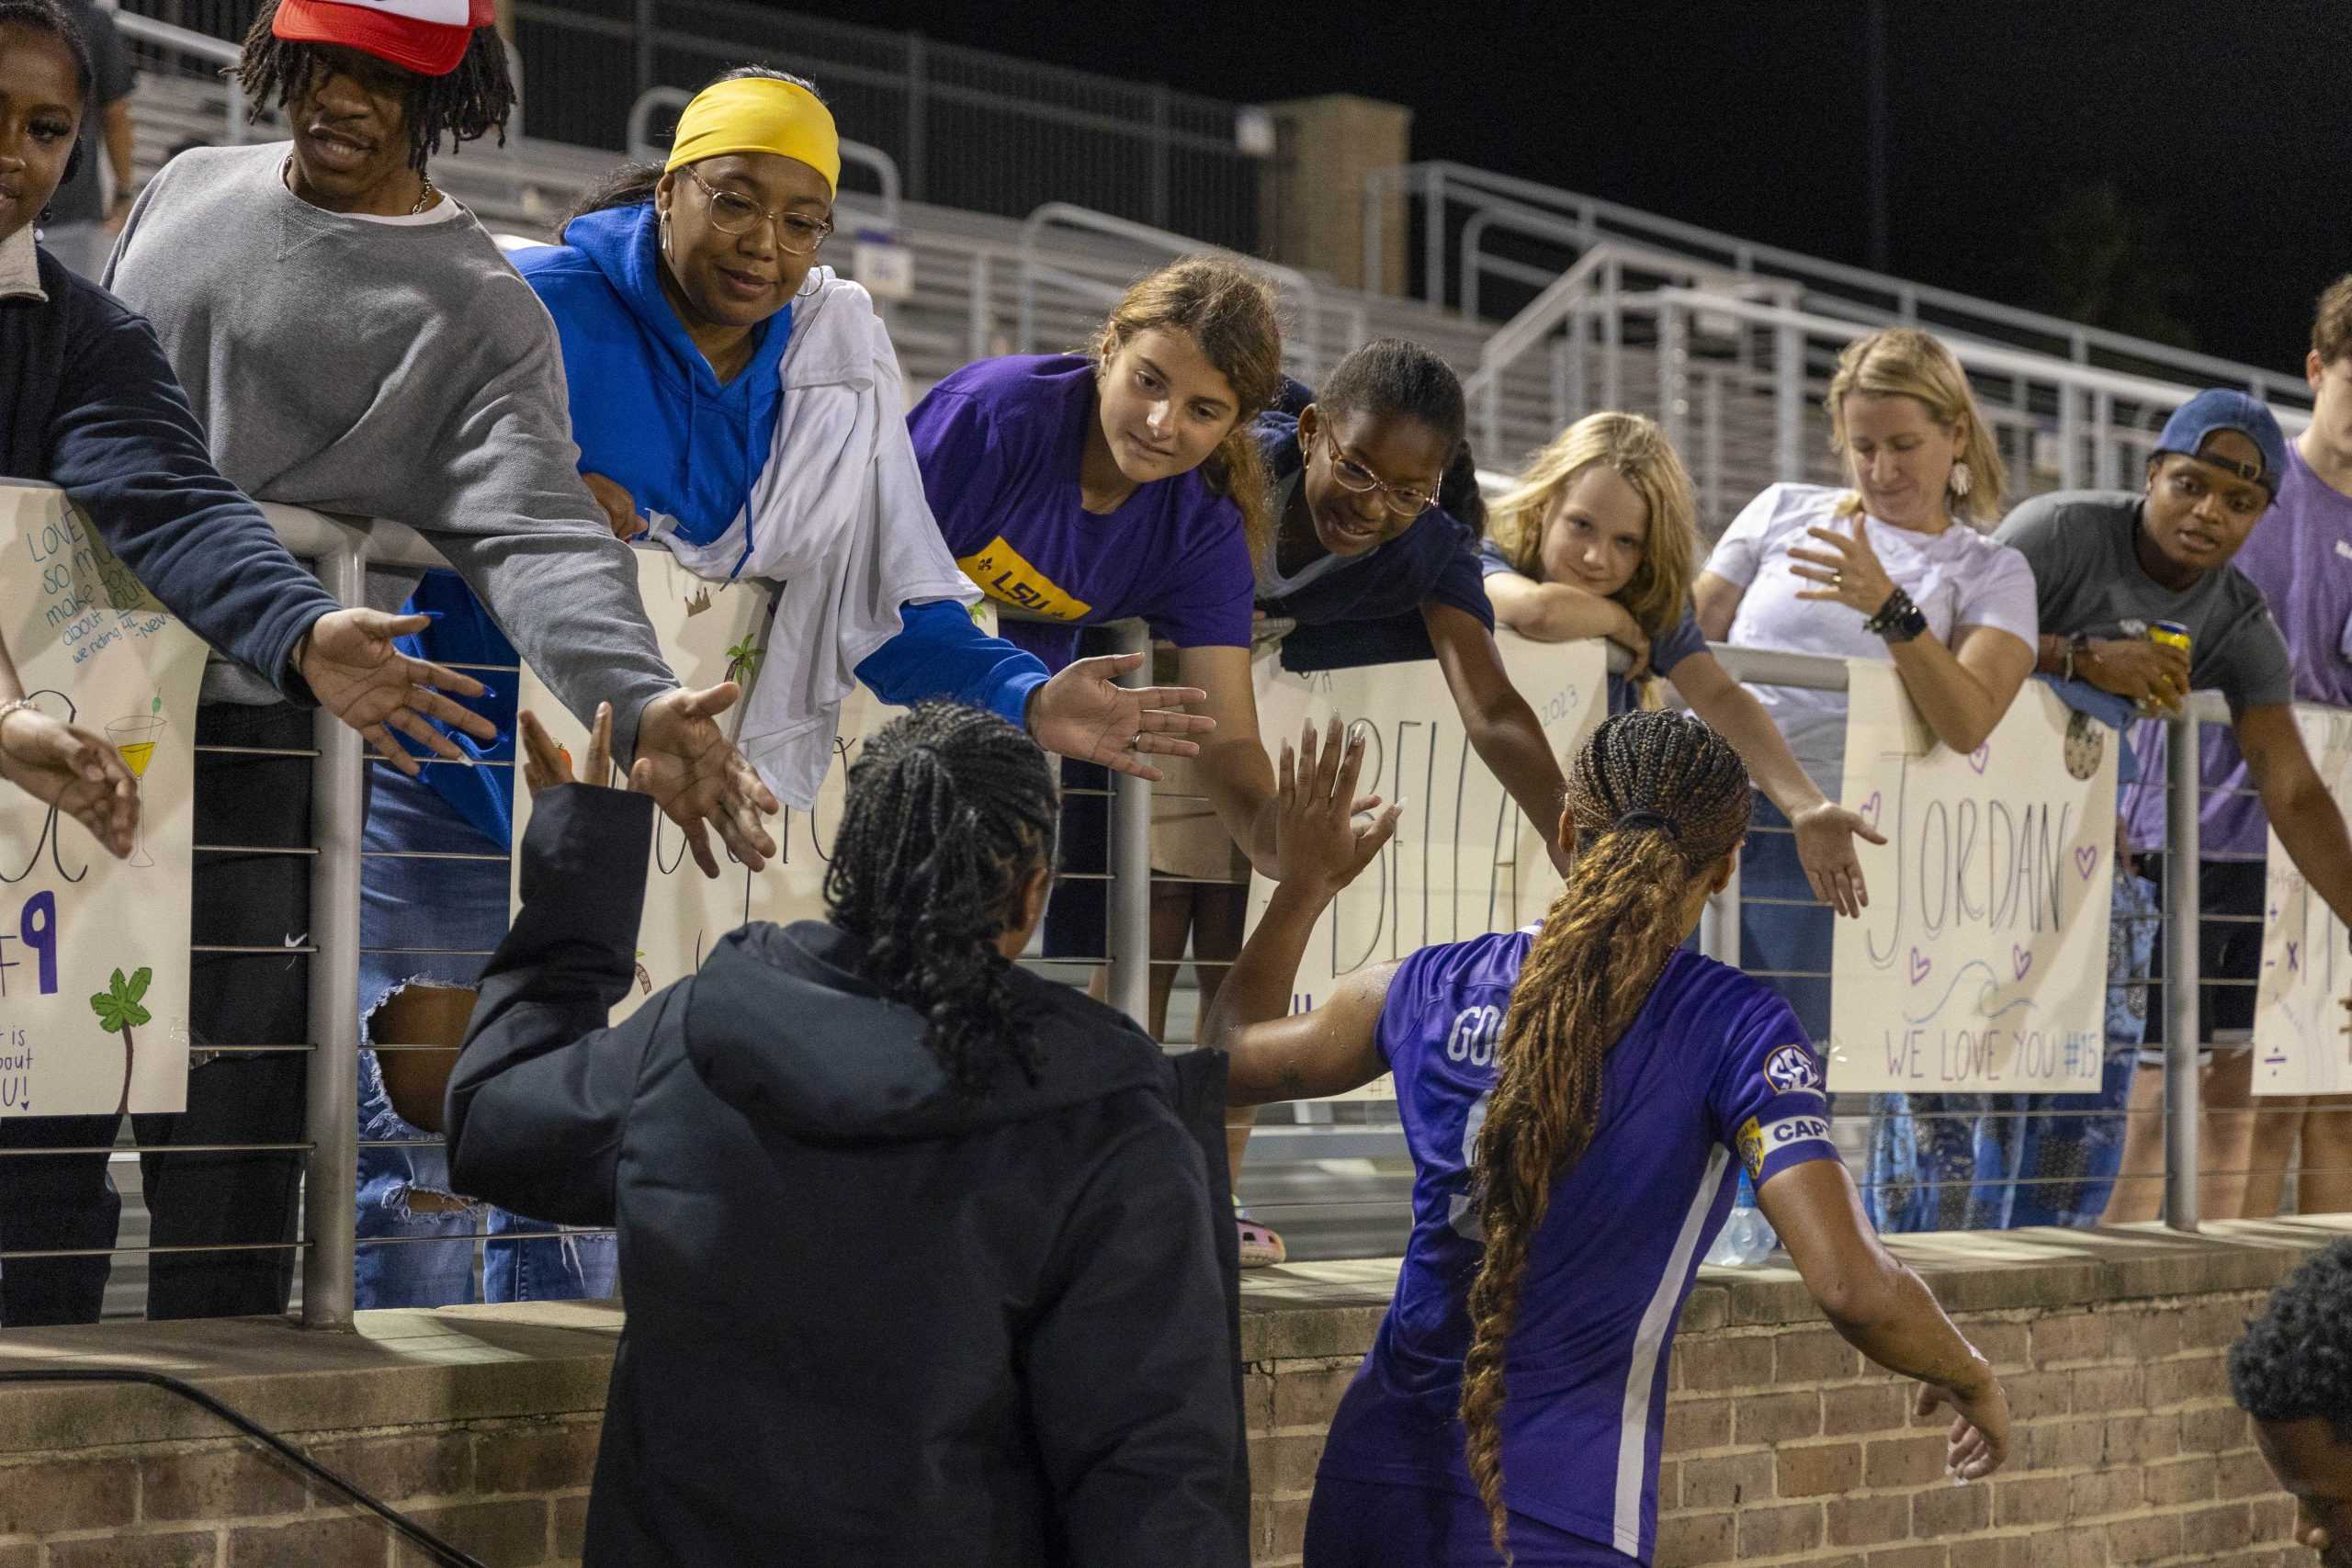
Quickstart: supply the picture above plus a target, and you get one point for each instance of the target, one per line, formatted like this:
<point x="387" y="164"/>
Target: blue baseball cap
<point x="2217" y="408"/>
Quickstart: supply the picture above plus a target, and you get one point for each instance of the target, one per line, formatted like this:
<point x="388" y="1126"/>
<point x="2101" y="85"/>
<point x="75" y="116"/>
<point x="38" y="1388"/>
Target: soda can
<point x="2172" y="634"/>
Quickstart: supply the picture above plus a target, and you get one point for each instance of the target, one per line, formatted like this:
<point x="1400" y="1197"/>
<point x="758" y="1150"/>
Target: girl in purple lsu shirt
<point x="1126" y="482"/>
<point x="1573" y="1096"/>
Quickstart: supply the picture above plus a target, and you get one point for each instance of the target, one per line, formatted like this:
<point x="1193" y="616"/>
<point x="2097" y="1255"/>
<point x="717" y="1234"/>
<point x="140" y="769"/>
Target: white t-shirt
<point x="1960" y="578"/>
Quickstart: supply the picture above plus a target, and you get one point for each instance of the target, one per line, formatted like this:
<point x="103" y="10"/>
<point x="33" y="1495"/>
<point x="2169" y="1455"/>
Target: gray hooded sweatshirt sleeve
<point x="391" y="369"/>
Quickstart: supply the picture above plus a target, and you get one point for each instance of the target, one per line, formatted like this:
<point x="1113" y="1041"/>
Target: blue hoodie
<point x="649" y="414"/>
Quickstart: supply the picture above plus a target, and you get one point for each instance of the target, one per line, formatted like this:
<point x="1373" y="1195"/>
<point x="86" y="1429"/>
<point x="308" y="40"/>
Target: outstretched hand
<point x="1826" y="835"/>
<point x="1318" y="835"/>
<point x="1083" y="712"/>
<point x="72" y="770"/>
<point x="546" y="765"/>
<point x="690" y="768"/>
<point x="357" y="675"/>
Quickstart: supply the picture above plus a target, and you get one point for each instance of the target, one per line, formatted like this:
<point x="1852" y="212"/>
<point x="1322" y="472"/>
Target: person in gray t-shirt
<point x="2106" y="565"/>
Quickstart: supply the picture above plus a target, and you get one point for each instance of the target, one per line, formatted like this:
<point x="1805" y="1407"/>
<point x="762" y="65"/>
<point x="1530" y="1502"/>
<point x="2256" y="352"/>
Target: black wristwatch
<point x="1898" y="620"/>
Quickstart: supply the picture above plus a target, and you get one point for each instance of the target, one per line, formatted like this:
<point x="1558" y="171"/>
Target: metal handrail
<point x="643" y="148"/>
<point x="1440" y="180"/>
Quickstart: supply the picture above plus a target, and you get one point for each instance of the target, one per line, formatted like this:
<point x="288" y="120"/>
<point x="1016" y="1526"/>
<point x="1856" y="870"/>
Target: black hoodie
<point x="870" y="1321"/>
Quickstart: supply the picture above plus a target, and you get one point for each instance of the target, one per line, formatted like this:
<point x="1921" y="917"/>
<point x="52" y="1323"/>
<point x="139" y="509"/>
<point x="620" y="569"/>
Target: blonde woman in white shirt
<point x="1896" y="567"/>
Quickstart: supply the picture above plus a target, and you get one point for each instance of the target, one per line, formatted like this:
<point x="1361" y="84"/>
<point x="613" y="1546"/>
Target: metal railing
<point x="1574" y="222"/>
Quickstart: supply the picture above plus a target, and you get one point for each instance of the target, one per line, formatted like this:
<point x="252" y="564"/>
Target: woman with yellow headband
<point x="693" y="317"/>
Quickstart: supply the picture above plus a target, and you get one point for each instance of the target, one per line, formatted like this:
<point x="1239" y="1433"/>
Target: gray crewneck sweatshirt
<point x="390" y="370"/>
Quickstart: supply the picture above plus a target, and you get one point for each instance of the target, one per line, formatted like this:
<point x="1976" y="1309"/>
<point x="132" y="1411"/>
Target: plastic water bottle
<point x="1746" y="1236"/>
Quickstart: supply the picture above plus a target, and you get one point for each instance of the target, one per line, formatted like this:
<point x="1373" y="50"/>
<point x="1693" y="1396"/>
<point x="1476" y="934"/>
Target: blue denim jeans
<point x="436" y="922"/>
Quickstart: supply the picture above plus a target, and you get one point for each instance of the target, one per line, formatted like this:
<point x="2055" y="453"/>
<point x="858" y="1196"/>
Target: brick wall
<point x="512" y="1492"/>
<point x="1783" y="1447"/>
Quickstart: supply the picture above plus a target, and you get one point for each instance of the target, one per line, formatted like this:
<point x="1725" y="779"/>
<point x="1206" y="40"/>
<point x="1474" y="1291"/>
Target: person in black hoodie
<point x="917" y="1246"/>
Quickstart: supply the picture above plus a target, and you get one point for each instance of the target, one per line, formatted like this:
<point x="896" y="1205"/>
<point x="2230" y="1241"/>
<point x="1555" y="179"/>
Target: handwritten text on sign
<point x="1465" y="861"/>
<point x="2299" y="1041"/>
<point x="94" y="952"/>
<point x="1981" y="964"/>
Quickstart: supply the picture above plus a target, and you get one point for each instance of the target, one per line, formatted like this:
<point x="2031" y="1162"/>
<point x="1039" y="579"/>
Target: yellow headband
<point x="759" y="114"/>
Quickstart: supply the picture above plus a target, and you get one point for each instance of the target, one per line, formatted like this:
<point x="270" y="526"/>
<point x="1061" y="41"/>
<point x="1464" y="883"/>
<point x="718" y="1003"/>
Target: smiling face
<point x="1900" y="456"/>
<point x="726" y="279"/>
<point x="1595" y="533"/>
<point x="351" y="133"/>
<point x="41" y="106"/>
<point x="1350" y="449"/>
<point x="1163" y="407"/>
<point x="2315" y="1466"/>
<point x="2199" y="514"/>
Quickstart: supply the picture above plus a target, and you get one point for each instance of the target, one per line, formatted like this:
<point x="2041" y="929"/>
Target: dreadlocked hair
<point x="951" y="810"/>
<point x="1229" y="310"/>
<point x="631" y="185"/>
<point x="466" y="104"/>
<point x="1392" y="379"/>
<point x="1655" y="799"/>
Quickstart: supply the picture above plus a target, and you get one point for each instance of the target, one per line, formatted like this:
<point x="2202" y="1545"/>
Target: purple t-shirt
<point x="1715" y="1069"/>
<point x="2299" y="554"/>
<point x="1000" y="443"/>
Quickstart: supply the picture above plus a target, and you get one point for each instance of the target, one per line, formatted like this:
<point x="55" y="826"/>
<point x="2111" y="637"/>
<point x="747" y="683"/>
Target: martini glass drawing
<point x="135" y="738"/>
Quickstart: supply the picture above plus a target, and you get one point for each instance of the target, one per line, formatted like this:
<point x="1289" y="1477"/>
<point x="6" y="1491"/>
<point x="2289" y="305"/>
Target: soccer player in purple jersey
<point x="1573" y="1095"/>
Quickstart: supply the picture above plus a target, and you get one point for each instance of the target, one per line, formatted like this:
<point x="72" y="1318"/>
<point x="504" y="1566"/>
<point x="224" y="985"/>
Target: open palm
<point x="687" y="764"/>
<point x="1083" y="712"/>
<point x="358" y="676"/>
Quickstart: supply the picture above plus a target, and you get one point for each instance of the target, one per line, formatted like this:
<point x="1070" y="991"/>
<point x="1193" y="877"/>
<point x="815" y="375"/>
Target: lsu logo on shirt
<point x="1004" y="576"/>
<point x="1792" y="1070"/>
<point x="1751" y="1147"/>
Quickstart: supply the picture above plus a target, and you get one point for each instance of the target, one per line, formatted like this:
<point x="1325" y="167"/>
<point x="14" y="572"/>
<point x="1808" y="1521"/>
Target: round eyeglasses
<point x="795" y="233"/>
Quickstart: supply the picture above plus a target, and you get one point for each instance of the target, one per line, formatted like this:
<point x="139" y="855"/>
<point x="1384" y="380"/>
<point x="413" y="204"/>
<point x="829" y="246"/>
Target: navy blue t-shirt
<point x="1681" y="639"/>
<point x="1368" y="610"/>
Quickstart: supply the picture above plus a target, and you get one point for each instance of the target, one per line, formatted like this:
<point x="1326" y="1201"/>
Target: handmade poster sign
<point x="1465" y="859"/>
<point x="713" y="632"/>
<point x="94" y="952"/>
<point x="2300" y="1047"/>
<point x="1981" y="964"/>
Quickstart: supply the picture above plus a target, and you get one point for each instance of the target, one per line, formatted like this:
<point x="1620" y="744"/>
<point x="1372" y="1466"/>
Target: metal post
<point x="1673" y="389"/>
<point x="1159" y="155"/>
<point x="1433" y="237"/>
<point x="1612" y="334"/>
<point x="644" y="39"/>
<point x="917" y="116"/>
<point x="1375" y="211"/>
<point x="2104" y="469"/>
<point x="1130" y="892"/>
<point x="2070" y="438"/>
<point x="1788" y="402"/>
<point x="976" y="343"/>
<point x="1719" y="922"/>
<point x="329" y="1195"/>
<point x="2182" y="782"/>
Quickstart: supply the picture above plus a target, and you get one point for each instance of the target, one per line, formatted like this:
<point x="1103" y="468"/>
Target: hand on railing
<point x="1084" y="713"/>
<point x="620" y="507"/>
<point x="72" y="770"/>
<point x="2153" y="674"/>
<point x="1826" y="835"/>
<point x="357" y="675"/>
<point x="546" y="765"/>
<point x="699" y="779"/>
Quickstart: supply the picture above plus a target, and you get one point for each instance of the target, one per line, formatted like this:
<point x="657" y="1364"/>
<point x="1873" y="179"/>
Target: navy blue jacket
<point x="89" y="403"/>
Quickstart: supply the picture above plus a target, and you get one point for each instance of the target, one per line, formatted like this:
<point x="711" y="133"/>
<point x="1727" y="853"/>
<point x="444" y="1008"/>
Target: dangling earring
<point x="1961" y="478"/>
<point x="662" y="234"/>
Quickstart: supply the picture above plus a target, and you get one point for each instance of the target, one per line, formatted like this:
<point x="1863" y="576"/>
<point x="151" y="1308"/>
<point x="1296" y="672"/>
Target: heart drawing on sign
<point x="1871" y="811"/>
<point x="1920" y="964"/>
<point x="1982" y="755"/>
<point x="2021" y="959"/>
<point x="2087" y="860"/>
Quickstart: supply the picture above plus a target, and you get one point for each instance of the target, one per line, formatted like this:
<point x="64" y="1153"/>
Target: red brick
<point x="1285" y="1466"/>
<point x="2143" y="1538"/>
<point x="395" y="1469"/>
<point x="510" y="1533"/>
<point x="313" y="1543"/>
<point x="2148" y="1334"/>
<point x="2216" y="1324"/>
<point x="226" y="1483"/>
<point x="1306" y="1397"/>
<point x="1775" y="1533"/>
<point x="1695" y="1540"/>
<point x="1820" y="1470"/>
<point x="535" y="1458"/>
<point x="2173" y="1383"/>
<point x="1872" y="1407"/>
<point x="2005" y="1345"/>
<point x="2104" y="1491"/>
<point x="2175" y="1482"/>
<point x="1904" y="1461"/>
<point x="1867" y="1521"/>
<point x="1258" y="1400"/>
<point x="50" y="1496"/>
<point x="570" y="1525"/>
<point x="2213" y="1430"/>
<point x="2034" y="1396"/>
<point x="1775" y="1417"/>
<point x="2072" y="1444"/>
<point x="2208" y="1532"/>
<point x="2108" y="1391"/>
<point x="2072" y="1336"/>
<point x="1814" y="1356"/>
<point x="1695" y="1424"/>
<point x="2030" y="1500"/>
<point x="1942" y="1510"/>
<point x="2243" y="1475"/>
<point x="2142" y="1440"/>
<point x="175" y="1549"/>
<point x="1285" y="1527"/>
<point x="25" y="1556"/>
<point x="1727" y="1481"/>
<point x="1714" y="1364"/>
<point x="1911" y="1557"/>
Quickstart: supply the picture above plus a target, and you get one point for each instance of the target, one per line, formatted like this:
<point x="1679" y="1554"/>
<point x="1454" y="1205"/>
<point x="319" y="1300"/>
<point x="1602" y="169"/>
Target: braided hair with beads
<point x="951" y="812"/>
<point x="471" y="102"/>
<point x="1658" y="800"/>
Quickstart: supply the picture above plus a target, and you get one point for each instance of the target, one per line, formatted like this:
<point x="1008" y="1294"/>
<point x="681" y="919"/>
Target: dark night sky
<point x="2228" y="126"/>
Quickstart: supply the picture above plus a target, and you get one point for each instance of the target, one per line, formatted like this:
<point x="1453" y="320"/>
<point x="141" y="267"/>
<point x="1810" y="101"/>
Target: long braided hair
<point x="951" y="811"/>
<point x="471" y="102"/>
<point x="1656" y="799"/>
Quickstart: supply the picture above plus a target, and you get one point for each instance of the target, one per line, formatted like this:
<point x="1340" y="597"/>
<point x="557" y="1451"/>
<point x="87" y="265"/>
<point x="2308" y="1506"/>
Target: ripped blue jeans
<point x="436" y="922"/>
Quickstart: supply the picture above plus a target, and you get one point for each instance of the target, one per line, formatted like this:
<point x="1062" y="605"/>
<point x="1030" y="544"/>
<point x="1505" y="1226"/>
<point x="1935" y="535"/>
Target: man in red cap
<point x="353" y="341"/>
